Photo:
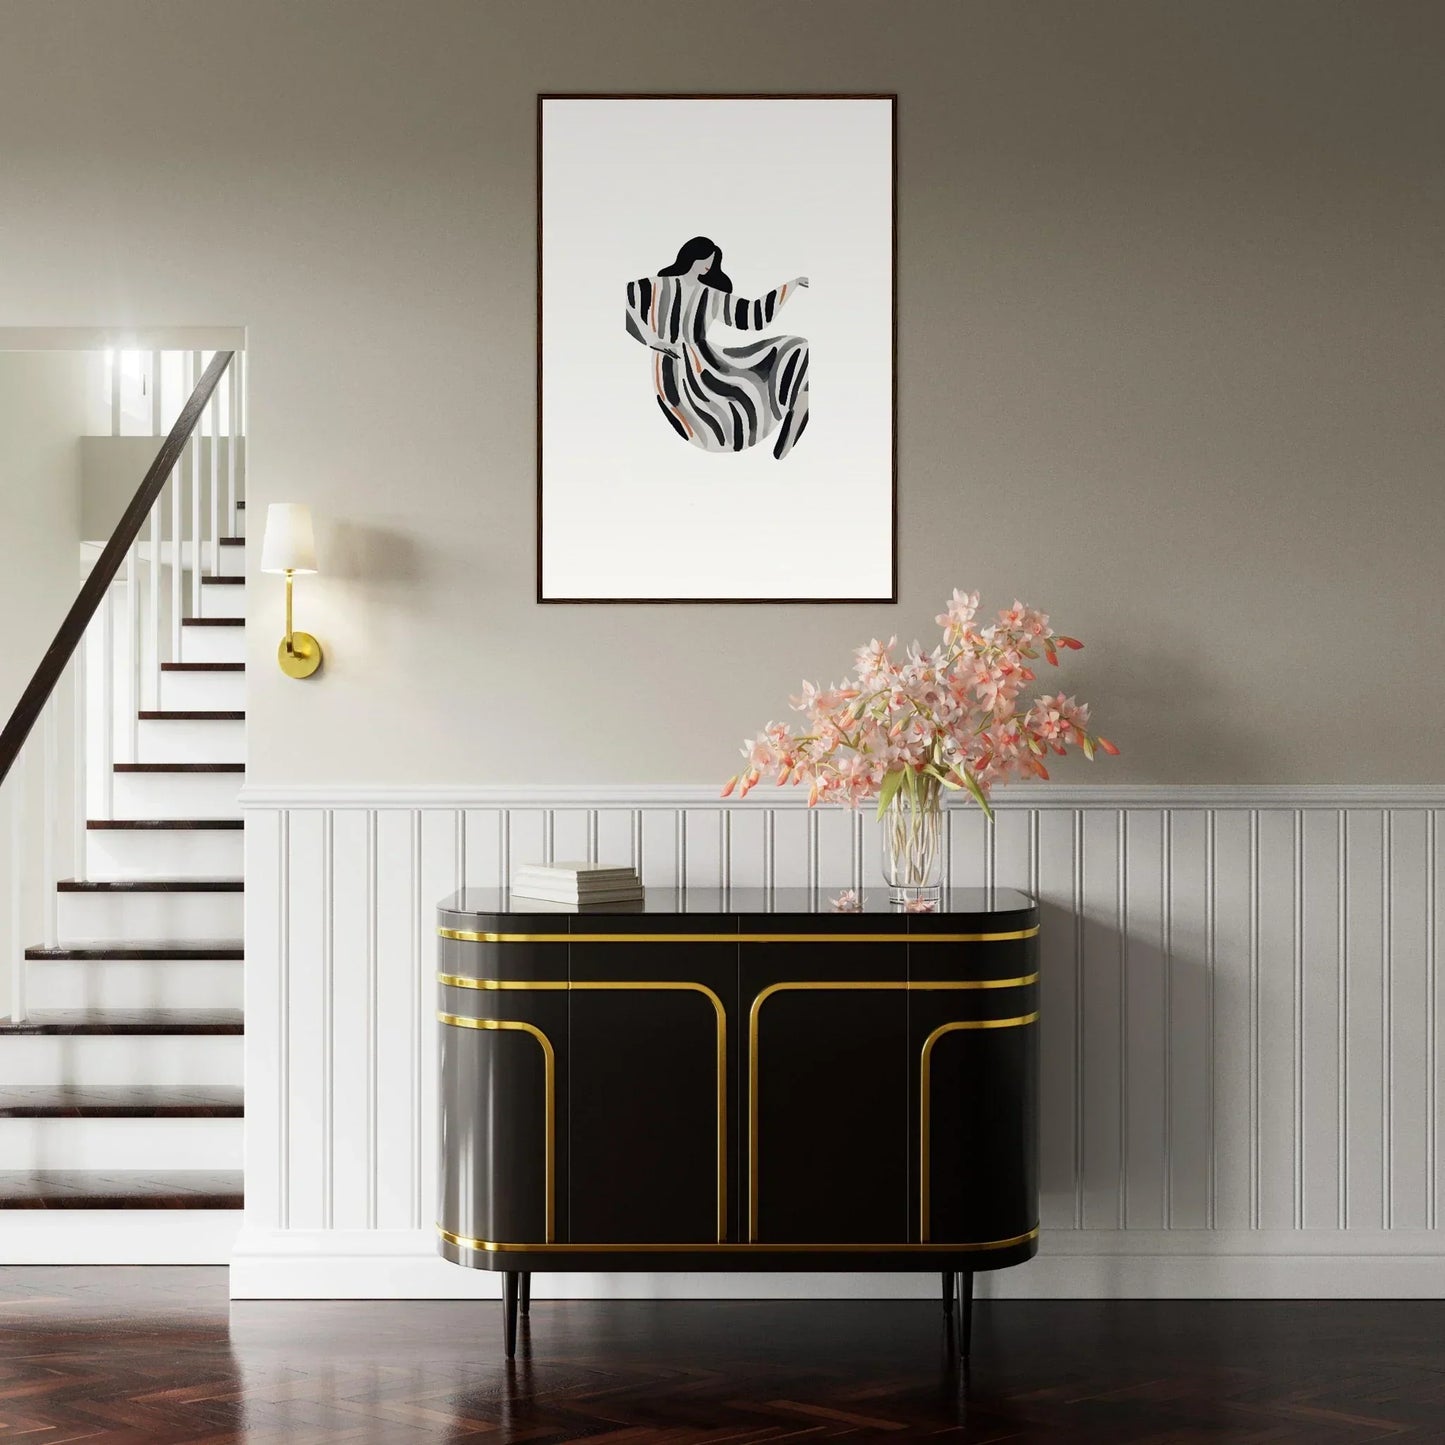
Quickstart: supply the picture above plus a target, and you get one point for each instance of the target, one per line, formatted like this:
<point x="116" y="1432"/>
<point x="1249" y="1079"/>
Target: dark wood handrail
<point x="67" y="639"/>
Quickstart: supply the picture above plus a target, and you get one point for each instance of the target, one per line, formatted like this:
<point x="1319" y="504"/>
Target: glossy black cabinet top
<point x="996" y="908"/>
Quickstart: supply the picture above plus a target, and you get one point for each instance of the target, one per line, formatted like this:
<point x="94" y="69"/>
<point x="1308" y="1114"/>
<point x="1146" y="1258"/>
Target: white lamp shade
<point x="290" y="543"/>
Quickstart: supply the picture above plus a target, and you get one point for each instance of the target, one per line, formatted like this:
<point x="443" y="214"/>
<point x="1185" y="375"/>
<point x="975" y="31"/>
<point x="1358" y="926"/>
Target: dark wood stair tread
<point x="180" y="767"/>
<point x="223" y="581"/>
<point x="121" y="1189"/>
<point x="121" y="1101"/>
<point x="136" y="825"/>
<point x="161" y="951"/>
<point x="128" y="1021"/>
<point x="232" y="541"/>
<point x="203" y="667"/>
<point x="213" y="622"/>
<point x="170" y="714"/>
<point x="151" y="885"/>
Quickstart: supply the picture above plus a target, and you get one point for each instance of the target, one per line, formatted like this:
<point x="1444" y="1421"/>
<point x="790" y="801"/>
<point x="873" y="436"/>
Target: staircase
<point x="120" y="1064"/>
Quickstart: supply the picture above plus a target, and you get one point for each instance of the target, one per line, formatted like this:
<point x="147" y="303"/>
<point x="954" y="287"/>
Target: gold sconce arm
<point x="299" y="653"/>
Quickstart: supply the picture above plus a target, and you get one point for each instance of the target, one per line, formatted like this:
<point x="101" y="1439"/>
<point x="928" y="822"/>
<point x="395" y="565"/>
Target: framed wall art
<point x="716" y="348"/>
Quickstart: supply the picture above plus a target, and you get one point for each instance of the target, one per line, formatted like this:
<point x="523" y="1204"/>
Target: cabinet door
<point x="973" y="1051"/>
<point x="502" y="1018"/>
<point x="825" y="1121"/>
<point x="653" y="1063"/>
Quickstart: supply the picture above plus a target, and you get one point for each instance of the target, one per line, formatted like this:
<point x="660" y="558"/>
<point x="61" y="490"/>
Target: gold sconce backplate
<point x="299" y="654"/>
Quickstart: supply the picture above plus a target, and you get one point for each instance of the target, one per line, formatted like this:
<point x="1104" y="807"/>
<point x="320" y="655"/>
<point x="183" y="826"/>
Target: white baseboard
<point x="118" y="1236"/>
<point x="1180" y="1264"/>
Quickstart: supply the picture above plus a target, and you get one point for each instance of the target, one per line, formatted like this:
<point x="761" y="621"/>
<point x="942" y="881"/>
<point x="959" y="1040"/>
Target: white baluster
<point x="157" y="411"/>
<point x="188" y="382"/>
<point x="78" y="746"/>
<point x="194" y="447"/>
<point x="49" y="782"/>
<point x="133" y="662"/>
<point x="117" y="356"/>
<point x="153" y="631"/>
<point x="16" y="792"/>
<point x="213" y="408"/>
<point x="233" y="430"/>
<point x="107" y="706"/>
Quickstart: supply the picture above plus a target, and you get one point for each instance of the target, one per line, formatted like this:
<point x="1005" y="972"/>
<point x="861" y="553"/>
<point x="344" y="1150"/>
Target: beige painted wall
<point x="42" y="415"/>
<point x="1170" y="353"/>
<point x="43" y="398"/>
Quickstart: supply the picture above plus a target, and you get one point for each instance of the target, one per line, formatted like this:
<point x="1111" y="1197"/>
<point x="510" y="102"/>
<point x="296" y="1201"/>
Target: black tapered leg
<point x="509" y="1311"/>
<point x="965" y="1313"/>
<point x="526" y="1295"/>
<point x="948" y="1294"/>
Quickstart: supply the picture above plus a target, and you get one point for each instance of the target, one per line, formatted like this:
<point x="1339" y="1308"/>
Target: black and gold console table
<point x="747" y="1081"/>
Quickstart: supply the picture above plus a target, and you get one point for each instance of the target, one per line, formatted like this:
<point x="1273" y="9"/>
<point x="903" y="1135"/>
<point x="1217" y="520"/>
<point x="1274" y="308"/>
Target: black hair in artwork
<point x="694" y="251"/>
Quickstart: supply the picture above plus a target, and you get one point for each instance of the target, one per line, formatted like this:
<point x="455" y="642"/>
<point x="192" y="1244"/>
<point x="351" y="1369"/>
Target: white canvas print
<point x="716" y="356"/>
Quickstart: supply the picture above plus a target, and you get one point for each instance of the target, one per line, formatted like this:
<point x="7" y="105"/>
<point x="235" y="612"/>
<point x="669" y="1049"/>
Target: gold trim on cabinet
<point x="454" y="980"/>
<point x="549" y="1069"/>
<point x="925" y="1101"/>
<point x="461" y="935"/>
<point x="461" y="980"/>
<point x="487" y="1246"/>
<point x="907" y="985"/>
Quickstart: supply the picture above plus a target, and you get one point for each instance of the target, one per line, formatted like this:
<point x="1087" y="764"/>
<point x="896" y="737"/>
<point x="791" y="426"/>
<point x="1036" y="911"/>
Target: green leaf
<point x="972" y="784"/>
<point x="891" y="783"/>
<point x="944" y="778"/>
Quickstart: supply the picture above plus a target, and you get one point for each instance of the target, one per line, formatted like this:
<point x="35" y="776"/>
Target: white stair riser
<point x="203" y="691"/>
<point x="233" y="562"/>
<point x="177" y="795"/>
<point x="121" y="1143"/>
<point x="86" y="1059"/>
<point x="133" y="983"/>
<point x="186" y="740"/>
<point x="142" y="917"/>
<point x="213" y="644"/>
<point x="164" y="853"/>
<point x="223" y="601"/>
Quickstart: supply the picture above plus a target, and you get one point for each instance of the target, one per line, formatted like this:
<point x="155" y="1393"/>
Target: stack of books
<point x="579" y="884"/>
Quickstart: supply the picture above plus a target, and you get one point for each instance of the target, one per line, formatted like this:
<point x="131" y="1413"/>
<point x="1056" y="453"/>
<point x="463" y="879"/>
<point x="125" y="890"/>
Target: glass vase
<point x="913" y="848"/>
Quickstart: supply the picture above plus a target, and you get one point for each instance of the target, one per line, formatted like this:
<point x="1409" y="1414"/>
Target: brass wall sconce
<point x="290" y="547"/>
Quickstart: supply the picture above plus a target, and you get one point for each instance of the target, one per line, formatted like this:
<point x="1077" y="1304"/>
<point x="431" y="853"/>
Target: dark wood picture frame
<point x="892" y="98"/>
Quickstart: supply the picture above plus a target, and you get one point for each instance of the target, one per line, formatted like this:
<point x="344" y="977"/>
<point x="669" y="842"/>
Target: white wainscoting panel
<point x="1240" y="1034"/>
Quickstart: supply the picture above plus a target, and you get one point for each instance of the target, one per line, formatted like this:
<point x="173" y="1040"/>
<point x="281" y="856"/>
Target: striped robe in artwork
<point x="720" y="398"/>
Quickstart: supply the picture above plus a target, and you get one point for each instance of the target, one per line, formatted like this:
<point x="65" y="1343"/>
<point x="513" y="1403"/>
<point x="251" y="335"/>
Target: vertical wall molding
<point x="1243" y="1058"/>
<point x="328" y="1019"/>
<point x="372" y="962"/>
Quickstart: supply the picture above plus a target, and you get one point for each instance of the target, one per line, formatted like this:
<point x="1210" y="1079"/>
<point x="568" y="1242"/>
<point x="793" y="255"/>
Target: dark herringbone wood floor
<point x="157" y="1355"/>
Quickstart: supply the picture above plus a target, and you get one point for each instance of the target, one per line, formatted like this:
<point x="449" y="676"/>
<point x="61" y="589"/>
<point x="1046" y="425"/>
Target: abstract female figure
<point x="719" y="398"/>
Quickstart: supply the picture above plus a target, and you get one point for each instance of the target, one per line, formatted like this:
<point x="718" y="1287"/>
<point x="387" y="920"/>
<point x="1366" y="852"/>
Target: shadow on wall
<point x="1128" y="1088"/>
<point x="1224" y="739"/>
<point x="370" y="576"/>
<point x="378" y="557"/>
